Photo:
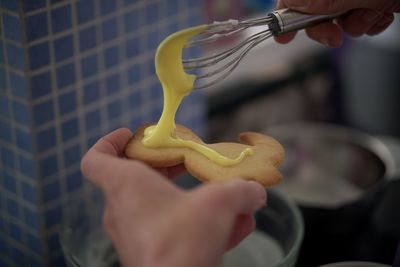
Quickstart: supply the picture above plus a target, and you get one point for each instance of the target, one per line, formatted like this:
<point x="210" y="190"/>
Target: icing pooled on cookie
<point x="176" y="85"/>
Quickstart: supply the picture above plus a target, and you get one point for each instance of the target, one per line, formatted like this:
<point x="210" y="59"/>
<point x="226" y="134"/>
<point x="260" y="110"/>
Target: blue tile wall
<point x="15" y="56"/>
<point x="87" y="38"/>
<point x="89" y="66"/>
<point x="36" y="25"/>
<point x="7" y="158"/>
<point x="9" y="182"/>
<point x="131" y="21"/>
<point x="63" y="47"/>
<point x="91" y="92"/>
<point x="61" y="19"/>
<point x="32" y="5"/>
<point x="35" y="244"/>
<point x="5" y="132"/>
<point x="12" y="207"/>
<point x="24" y="140"/>
<point x="48" y="166"/>
<point x="1" y="52"/>
<point x="4" y="107"/>
<point x="134" y="74"/>
<point x="85" y="11"/>
<point x="67" y="103"/>
<point x="41" y="85"/>
<point x="18" y="85"/>
<point x="92" y="119"/>
<point x="2" y="80"/>
<point x="111" y="57"/>
<point x="52" y="216"/>
<point x="72" y="155"/>
<point x="152" y="13"/>
<point x="70" y="129"/>
<point x="21" y="112"/>
<point x="65" y="75"/>
<point x="12" y="27"/>
<point x="109" y="29"/>
<point x="107" y="7"/>
<point x="70" y="72"/>
<point x="39" y="55"/>
<point x="32" y="217"/>
<point x="51" y="191"/>
<point x="74" y="181"/>
<point x="27" y="166"/>
<point x="46" y="139"/>
<point x="133" y="47"/>
<point x="113" y="84"/>
<point x="10" y="5"/>
<point x="43" y="112"/>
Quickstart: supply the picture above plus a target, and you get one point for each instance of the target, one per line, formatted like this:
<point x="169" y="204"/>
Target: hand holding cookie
<point x="152" y="222"/>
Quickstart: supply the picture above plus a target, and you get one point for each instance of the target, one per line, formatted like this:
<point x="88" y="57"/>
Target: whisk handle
<point x="287" y="20"/>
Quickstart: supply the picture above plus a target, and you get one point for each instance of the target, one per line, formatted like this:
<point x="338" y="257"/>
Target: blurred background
<point x="73" y="70"/>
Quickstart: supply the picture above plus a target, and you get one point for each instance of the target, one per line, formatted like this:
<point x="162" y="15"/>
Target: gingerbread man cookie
<point x="260" y="166"/>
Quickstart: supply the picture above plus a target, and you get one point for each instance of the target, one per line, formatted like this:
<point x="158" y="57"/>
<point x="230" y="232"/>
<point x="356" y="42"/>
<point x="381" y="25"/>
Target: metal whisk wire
<point x="276" y="23"/>
<point x="220" y="30"/>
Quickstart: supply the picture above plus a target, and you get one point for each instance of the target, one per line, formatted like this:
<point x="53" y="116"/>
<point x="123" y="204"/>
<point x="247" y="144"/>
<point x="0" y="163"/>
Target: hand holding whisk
<point x="277" y="23"/>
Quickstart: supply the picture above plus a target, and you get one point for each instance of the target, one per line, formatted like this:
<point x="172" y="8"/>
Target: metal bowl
<point x="355" y="264"/>
<point x="329" y="166"/>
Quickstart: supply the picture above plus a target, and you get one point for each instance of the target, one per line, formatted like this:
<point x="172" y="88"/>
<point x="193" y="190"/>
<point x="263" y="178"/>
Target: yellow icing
<point x="177" y="84"/>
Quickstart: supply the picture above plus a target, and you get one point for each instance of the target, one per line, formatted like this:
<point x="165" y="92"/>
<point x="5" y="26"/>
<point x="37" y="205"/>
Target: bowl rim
<point x="293" y="207"/>
<point x="355" y="264"/>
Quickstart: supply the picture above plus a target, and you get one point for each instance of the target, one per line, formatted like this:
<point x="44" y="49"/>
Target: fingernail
<point x="298" y="3"/>
<point x="370" y="16"/>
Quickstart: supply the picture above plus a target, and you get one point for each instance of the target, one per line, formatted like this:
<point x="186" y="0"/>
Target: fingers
<point x="99" y="167"/>
<point x="218" y="205"/>
<point x="327" y="33"/>
<point x="219" y="209"/>
<point x="114" y="143"/>
<point x="365" y="17"/>
<point x="357" y="23"/>
<point x="98" y="161"/>
<point x="328" y="6"/>
<point x="360" y="21"/>
<point x="381" y="25"/>
<point x="235" y="198"/>
<point x="286" y="38"/>
<point x="102" y="163"/>
<point x="240" y="200"/>
<point x="104" y="166"/>
<point x="244" y="225"/>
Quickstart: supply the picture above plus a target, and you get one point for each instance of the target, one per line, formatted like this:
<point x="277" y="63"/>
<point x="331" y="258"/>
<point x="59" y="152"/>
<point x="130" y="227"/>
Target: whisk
<point x="277" y="23"/>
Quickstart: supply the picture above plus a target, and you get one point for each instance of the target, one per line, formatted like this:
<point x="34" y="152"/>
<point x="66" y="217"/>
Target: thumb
<point x="329" y="6"/>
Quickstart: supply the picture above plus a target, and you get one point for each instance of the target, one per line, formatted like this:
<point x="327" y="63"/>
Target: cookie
<point x="261" y="166"/>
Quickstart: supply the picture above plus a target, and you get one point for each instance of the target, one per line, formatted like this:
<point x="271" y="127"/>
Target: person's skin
<point x="152" y="222"/>
<point x="369" y="17"/>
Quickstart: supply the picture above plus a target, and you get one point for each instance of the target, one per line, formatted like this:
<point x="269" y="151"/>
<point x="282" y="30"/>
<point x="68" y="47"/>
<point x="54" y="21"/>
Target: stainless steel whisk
<point x="277" y="23"/>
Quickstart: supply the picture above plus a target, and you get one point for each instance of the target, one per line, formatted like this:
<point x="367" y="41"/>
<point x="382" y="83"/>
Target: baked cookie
<point x="261" y="166"/>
